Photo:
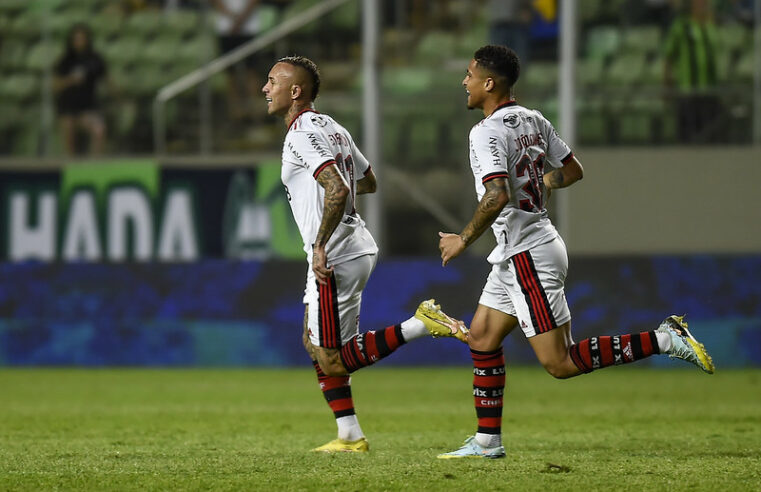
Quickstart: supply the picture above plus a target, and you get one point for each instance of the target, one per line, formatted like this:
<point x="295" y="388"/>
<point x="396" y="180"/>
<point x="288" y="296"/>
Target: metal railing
<point x="217" y="65"/>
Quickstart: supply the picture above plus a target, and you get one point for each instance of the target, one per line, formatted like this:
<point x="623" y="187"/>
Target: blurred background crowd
<point x="78" y="76"/>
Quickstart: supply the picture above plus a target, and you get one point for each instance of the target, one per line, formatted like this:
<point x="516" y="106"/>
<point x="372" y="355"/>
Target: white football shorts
<point x="333" y="309"/>
<point x="530" y="287"/>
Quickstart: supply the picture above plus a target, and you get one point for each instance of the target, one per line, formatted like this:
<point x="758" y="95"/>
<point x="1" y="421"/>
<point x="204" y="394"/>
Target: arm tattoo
<point x="336" y="193"/>
<point x="491" y="204"/>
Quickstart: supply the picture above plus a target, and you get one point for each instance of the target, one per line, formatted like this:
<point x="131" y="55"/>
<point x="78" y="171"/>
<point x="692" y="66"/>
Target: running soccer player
<point x="517" y="157"/>
<point x="323" y="171"/>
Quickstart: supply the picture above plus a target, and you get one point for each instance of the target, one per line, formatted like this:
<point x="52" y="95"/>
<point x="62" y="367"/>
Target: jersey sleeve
<point x="310" y="149"/>
<point x="361" y="164"/>
<point x="558" y="152"/>
<point x="488" y="152"/>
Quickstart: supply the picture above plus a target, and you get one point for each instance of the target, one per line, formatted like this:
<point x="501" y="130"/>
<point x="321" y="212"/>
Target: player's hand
<point x="319" y="265"/>
<point x="450" y="245"/>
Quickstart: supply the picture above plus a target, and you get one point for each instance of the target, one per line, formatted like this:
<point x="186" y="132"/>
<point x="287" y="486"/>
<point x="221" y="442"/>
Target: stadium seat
<point x="19" y="87"/>
<point x="625" y="70"/>
<point x="295" y="8"/>
<point x="539" y="78"/>
<point x="346" y="18"/>
<point x="590" y="71"/>
<point x="123" y="50"/>
<point x="161" y="49"/>
<point x="12" y="54"/>
<point x="602" y="41"/>
<point x="107" y="25"/>
<point x="42" y="55"/>
<point x="743" y="70"/>
<point x="406" y="80"/>
<point x="183" y="22"/>
<point x="733" y="37"/>
<point x="435" y="47"/>
<point x="144" y="24"/>
<point x="26" y="25"/>
<point x="197" y="50"/>
<point x="641" y="40"/>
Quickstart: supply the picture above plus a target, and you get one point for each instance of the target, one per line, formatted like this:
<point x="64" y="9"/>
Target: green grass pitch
<point x="619" y="429"/>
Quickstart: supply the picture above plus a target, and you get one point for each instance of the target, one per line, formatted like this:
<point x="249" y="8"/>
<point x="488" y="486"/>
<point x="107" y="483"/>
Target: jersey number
<point x="533" y="188"/>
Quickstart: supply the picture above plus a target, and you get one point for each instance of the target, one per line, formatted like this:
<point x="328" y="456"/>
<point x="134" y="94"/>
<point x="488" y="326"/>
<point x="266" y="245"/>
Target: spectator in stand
<point x="237" y="23"/>
<point x="77" y="75"/>
<point x="510" y="24"/>
<point x="691" y="73"/>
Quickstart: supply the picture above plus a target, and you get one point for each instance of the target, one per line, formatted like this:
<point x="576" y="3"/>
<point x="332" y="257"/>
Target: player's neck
<point x="492" y="104"/>
<point x="296" y="108"/>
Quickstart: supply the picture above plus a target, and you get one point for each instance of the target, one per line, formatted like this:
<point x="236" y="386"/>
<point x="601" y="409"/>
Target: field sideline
<point x="134" y="429"/>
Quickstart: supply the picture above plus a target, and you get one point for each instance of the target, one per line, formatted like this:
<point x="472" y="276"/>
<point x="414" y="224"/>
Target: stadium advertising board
<point x="138" y="211"/>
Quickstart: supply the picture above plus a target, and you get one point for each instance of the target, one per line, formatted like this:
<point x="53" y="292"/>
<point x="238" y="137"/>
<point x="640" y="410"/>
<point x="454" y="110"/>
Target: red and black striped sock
<point x="597" y="352"/>
<point x="368" y="348"/>
<point x="488" y="389"/>
<point x="337" y="392"/>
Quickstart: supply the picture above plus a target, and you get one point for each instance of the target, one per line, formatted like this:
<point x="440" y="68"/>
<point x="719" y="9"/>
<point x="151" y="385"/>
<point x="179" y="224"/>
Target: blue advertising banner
<point x="249" y="313"/>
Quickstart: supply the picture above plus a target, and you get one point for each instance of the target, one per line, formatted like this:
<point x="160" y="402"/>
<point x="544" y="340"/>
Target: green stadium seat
<point x="161" y="49"/>
<point x="12" y="54"/>
<point x="10" y="114"/>
<point x="625" y="70"/>
<point x="145" y="23"/>
<point x="13" y="5"/>
<point x="539" y="78"/>
<point x="592" y="128"/>
<point x="298" y="6"/>
<point x="183" y="22"/>
<point x="589" y="71"/>
<point x="602" y="41"/>
<point x="743" y="70"/>
<point x="19" y="87"/>
<point x="406" y="80"/>
<point x="26" y="25"/>
<point x="589" y="10"/>
<point x="641" y="40"/>
<point x="198" y="50"/>
<point x="435" y="47"/>
<point x="346" y="17"/>
<point x="733" y="37"/>
<point x="107" y="25"/>
<point x="42" y="55"/>
<point x="123" y="51"/>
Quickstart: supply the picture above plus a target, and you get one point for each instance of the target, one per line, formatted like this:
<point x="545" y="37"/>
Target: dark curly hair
<point x="309" y="66"/>
<point x="500" y="61"/>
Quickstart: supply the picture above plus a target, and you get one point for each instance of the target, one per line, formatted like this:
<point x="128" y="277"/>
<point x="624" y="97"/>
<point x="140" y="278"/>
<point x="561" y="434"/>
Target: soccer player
<point x="517" y="157"/>
<point x="323" y="171"/>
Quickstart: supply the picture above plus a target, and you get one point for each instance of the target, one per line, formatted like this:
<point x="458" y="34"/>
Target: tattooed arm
<point x="336" y="193"/>
<point x="565" y="176"/>
<point x="491" y="204"/>
<point x="367" y="184"/>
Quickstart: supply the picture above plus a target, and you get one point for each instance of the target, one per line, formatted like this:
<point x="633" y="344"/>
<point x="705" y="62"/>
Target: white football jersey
<point x="517" y="143"/>
<point x="315" y="141"/>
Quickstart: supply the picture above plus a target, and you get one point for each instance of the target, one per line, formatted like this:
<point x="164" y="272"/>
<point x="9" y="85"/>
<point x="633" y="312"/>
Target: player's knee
<point x="558" y="370"/>
<point x="333" y="369"/>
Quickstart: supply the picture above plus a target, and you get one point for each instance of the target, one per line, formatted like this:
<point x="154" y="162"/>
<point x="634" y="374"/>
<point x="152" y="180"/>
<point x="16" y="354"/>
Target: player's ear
<point x="295" y="91"/>
<point x="489" y="84"/>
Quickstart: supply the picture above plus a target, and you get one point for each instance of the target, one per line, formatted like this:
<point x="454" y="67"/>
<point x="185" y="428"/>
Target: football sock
<point x="664" y="341"/>
<point x="597" y="352"/>
<point x="413" y="328"/>
<point x="488" y="391"/>
<point x="337" y="392"/>
<point x="348" y="428"/>
<point x="368" y="348"/>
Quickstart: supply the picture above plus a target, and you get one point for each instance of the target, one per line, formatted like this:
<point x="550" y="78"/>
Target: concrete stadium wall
<point x="667" y="200"/>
